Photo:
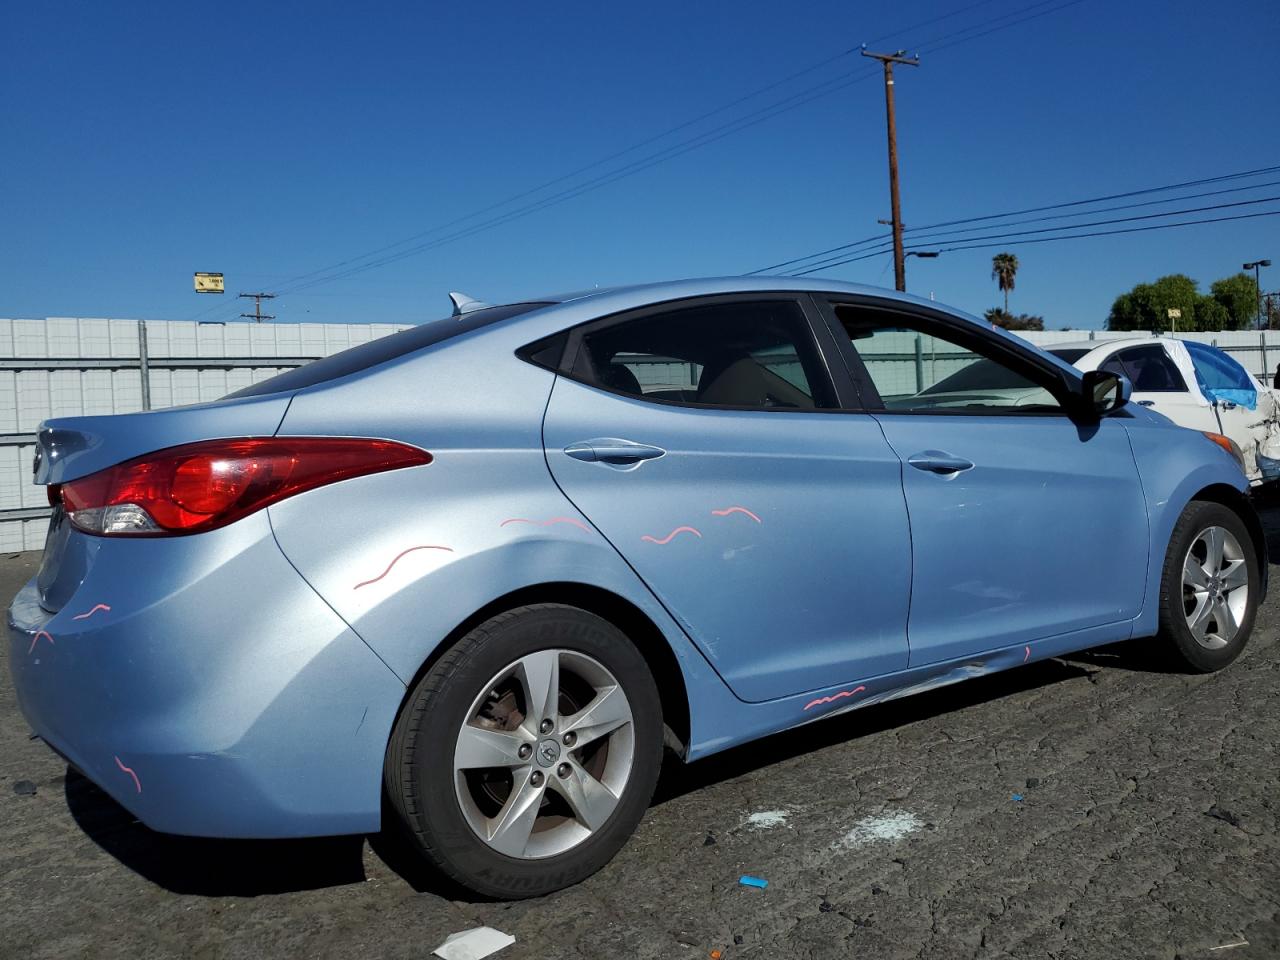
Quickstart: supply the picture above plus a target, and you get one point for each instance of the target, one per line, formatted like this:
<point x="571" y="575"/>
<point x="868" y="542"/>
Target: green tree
<point x="1011" y="321"/>
<point x="1239" y="295"/>
<point x="1146" y="306"/>
<point x="1004" y="268"/>
<point x="1212" y="315"/>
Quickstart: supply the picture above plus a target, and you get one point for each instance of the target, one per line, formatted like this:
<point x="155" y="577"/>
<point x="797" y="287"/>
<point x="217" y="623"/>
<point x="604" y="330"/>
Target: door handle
<point x="935" y="461"/>
<point x="612" y="450"/>
<point x="1146" y="403"/>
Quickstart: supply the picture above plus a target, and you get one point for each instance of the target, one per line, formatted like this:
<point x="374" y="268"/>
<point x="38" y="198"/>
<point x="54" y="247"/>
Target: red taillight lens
<point x="200" y="486"/>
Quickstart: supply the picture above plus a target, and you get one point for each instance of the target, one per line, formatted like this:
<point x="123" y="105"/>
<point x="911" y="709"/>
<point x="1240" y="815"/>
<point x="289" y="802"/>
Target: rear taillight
<point x="200" y="486"/>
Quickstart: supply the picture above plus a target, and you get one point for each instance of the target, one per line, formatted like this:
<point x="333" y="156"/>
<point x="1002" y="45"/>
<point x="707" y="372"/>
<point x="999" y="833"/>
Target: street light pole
<point x="1257" y="283"/>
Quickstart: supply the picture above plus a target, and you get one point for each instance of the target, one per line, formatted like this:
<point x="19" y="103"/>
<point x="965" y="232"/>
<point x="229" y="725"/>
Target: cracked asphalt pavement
<point x="1089" y="807"/>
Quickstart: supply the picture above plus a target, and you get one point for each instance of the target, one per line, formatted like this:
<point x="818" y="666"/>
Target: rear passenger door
<point x="705" y="440"/>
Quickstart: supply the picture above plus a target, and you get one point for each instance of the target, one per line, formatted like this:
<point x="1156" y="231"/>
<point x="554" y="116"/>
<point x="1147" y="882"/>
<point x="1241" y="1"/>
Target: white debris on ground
<point x="767" y="819"/>
<point x="474" y="944"/>
<point x="887" y="827"/>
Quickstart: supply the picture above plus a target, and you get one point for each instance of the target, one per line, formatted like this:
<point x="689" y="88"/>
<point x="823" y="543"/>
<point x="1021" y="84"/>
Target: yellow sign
<point x="209" y="283"/>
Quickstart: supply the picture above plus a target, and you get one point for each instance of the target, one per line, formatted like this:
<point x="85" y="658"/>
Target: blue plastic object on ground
<point x="747" y="881"/>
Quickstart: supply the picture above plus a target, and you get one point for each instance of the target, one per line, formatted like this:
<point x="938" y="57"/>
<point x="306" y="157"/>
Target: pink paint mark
<point x="671" y="536"/>
<point x="728" y="510"/>
<point x="546" y="523"/>
<point x="96" y="608"/>
<point x="1027" y="656"/>
<point x="835" y="696"/>
<point x="136" y="782"/>
<point x="402" y="553"/>
<point x="36" y="639"/>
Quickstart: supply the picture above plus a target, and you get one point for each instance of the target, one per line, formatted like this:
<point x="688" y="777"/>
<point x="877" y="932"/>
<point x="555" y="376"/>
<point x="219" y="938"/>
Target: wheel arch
<point x="622" y="613"/>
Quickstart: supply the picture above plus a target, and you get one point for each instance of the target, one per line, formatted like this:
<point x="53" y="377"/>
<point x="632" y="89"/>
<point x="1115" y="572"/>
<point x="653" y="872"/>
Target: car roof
<point x="1097" y="344"/>
<point x="699" y="286"/>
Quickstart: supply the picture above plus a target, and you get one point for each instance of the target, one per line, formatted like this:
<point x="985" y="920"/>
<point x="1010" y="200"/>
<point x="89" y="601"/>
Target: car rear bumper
<point x="203" y="685"/>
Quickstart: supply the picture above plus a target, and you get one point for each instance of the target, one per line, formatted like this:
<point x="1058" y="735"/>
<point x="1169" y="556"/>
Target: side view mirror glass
<point x="1103" y="391"/>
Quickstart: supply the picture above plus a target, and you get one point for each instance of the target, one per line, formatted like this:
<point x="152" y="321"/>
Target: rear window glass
<point x="1069" y="354"/>
<point x="381" y="350"/>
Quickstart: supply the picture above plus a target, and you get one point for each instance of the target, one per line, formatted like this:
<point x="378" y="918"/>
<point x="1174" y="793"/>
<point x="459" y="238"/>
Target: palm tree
<point x="1004" y="267"/>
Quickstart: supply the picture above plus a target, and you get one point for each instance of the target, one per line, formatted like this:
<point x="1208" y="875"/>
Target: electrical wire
<point x="825" y="88"/>
<point x="1147" y="191"/>
<point x="1028" y="236"/>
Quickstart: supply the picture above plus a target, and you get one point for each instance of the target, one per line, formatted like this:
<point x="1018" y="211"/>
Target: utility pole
<point x="888" y="60"/>
<point x="257" y="314"/>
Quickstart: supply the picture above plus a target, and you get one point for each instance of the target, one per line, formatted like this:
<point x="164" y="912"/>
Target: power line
<point x="1020" y="236"/>
<point x="643" y="143"/>
<point x="1107" y="233"/>
<point x="1052" y="206"/>
<point x="825" y="88"/>
<point x="802" y="97"/>
<point x="835" y="262"/>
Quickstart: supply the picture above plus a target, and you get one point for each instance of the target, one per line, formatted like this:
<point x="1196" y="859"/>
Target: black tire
<point x="1177" y="644"/>
<point x="419" y="775"/>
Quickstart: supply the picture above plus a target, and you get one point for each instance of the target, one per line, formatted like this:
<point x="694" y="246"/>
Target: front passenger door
<point x="1024" y="523"/>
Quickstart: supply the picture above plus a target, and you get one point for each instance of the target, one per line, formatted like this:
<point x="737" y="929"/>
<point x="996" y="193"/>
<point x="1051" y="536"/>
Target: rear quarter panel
<point x="405" y="557"/>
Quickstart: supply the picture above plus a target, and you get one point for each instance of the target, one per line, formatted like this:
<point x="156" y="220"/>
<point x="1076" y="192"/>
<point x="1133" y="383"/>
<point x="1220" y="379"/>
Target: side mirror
<point x="1102" y="392"/>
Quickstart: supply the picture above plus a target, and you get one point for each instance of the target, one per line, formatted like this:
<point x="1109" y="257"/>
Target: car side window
<point x="1150" y="370"/>
<point x="739" y="354"/>
<point x="1113" y="364"/>
<point x="919" y="367"/>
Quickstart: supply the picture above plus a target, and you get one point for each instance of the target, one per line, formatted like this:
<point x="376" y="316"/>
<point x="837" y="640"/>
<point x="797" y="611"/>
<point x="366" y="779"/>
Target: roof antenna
<point x="464" y="304"/>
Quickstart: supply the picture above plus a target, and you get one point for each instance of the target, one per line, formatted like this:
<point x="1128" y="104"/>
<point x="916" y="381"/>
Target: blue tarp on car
<point x="1221" y="377"/>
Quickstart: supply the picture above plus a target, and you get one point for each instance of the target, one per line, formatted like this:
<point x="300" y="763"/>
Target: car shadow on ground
<point x="246" y="868"/>
<point x="208" y="867"/>
<point x="679" y="779"/>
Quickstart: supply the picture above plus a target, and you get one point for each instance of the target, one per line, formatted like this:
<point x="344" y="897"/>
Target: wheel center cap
<point x="548" y="753"/>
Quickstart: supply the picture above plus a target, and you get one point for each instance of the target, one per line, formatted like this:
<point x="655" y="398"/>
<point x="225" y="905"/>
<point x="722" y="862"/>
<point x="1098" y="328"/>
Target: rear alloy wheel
<point x="528" y="753"/>
<point x="1210" y="589"/>
<point x="544" y="754"/>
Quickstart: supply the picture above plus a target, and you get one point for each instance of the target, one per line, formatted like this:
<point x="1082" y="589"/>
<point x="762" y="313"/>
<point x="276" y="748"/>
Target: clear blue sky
<point x="145" y="141"/>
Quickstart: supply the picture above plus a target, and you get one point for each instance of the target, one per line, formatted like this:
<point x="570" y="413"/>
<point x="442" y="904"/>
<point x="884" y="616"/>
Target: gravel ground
<point x="1092" y="807"/>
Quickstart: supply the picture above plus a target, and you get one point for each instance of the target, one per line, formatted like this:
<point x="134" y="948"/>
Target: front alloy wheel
<point x="1210" y="587"/>
<point x="1215" y="587"/>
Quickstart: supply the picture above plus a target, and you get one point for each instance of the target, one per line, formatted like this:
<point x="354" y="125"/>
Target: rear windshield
<point x="381" y="350"/>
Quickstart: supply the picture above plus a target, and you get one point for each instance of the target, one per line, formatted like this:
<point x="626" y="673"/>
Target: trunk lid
<point x="71" y="447"/>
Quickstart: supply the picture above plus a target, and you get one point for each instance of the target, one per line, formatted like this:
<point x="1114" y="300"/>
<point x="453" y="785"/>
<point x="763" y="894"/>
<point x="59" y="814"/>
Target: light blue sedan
<point x="492" y="564"/>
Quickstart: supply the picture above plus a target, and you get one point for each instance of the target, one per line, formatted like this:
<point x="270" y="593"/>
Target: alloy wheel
<point x="1215" y="587"/>
<point x="544" y="754"/>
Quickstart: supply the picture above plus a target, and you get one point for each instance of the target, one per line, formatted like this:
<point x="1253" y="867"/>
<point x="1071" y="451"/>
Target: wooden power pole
<point x="257" y="314"/>
<point x="888" y="60"/>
